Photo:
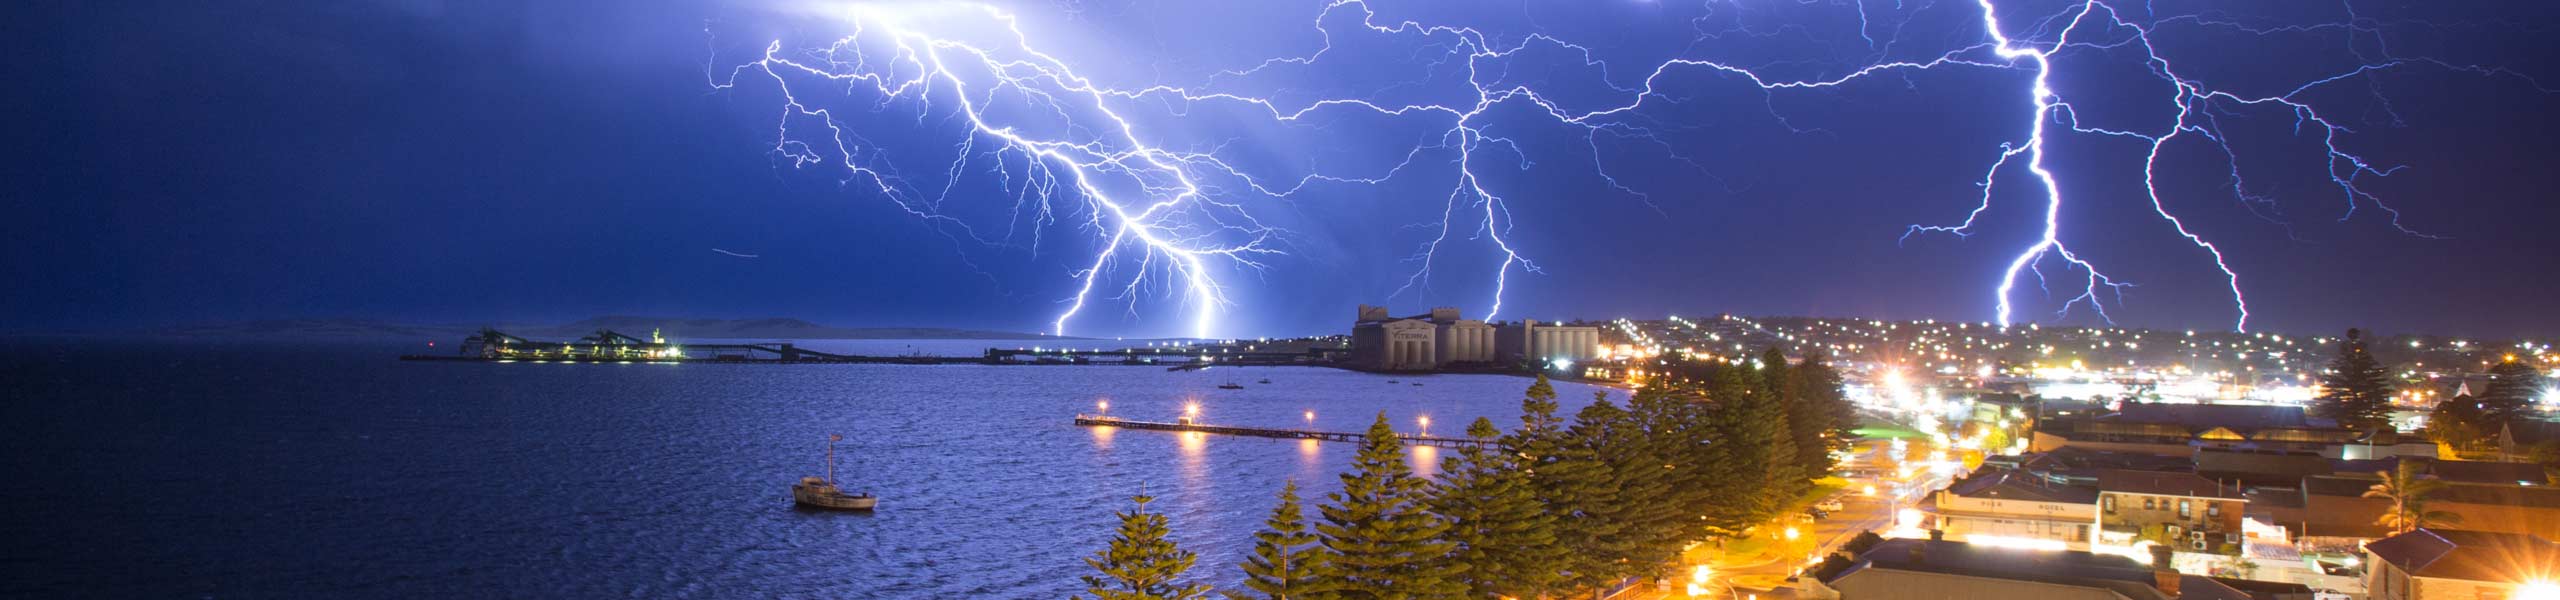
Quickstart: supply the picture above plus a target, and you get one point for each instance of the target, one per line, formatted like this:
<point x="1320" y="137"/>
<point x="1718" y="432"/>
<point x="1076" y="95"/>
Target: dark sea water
<point x="160" y="469"/>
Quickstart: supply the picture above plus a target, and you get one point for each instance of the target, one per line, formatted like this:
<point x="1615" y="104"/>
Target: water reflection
<point x="1426" y="460"/>
<point x="1195" y="459"/>
<point x="1102" y="436"/>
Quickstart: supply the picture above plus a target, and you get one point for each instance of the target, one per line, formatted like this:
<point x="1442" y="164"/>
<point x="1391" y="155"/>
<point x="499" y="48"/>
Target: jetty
<point x="1186" y="425"/>
<point x="608" y="346"/>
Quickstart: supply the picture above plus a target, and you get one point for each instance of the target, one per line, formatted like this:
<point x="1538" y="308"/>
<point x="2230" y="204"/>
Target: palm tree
<point x="2408" y="493"/>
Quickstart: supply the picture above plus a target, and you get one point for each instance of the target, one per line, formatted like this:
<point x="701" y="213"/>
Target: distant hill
<point x="680" y="328"/>
<point x="304" y="329"/>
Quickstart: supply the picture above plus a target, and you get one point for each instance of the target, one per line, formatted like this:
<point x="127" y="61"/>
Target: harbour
<point x="609" y="346"/>
<point x="605" y="479"/>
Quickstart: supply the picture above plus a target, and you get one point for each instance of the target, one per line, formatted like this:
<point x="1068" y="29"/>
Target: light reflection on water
<point x="1425" y="460"/>
<point x="333" y="471"/>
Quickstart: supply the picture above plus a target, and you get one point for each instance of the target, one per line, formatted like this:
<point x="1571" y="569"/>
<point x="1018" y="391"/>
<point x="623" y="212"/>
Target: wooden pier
<point x="1292" y="434"/>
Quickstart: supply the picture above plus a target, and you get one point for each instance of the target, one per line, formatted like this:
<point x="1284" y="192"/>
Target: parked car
<point x="1830" y="504"/>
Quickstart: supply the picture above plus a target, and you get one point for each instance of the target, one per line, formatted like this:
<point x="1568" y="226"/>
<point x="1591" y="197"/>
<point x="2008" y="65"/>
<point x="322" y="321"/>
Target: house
<point x="2445" y="564"/>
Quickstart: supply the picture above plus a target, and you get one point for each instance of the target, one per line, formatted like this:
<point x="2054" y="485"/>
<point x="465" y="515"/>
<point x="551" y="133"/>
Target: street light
<point x="2539" y="589"/>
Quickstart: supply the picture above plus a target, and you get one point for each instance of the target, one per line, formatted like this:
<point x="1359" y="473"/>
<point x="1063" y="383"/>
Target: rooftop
<point x="2165" y="484"/>
<point x="2237" y="417"/>
<point x="2462" y="471"/>
<point x="2453" y="492"/>
<point x="2083" y="462"/>
<point x="2074" y="568"/>
<point x="2471" y="555"/>
<point x="2012" y="485"/>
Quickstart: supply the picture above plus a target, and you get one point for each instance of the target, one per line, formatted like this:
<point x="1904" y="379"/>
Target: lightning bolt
<point x="1170" y="224"/>
<point x="1067" y="148"/>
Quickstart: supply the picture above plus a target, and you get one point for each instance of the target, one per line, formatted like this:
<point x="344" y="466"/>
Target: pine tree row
<point x="1557" y="508"/>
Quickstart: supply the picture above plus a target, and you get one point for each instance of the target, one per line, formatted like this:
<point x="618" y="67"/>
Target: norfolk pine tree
<point x="1383" y="543"/>
<point x="1285" y="555"/>
<point x="1141" y="564"/>
<point x="2356" y="390"/>
<point x="1504" y="536"/>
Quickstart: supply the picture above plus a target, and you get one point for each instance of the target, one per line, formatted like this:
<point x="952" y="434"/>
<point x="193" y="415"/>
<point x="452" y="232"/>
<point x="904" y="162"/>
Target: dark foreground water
<point x="200" y="470"/>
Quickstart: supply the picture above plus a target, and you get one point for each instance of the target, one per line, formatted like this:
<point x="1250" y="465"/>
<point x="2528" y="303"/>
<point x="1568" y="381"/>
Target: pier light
<point x="1311" y="416"/>
<point x="1102" y="406"/>
<point x="1191" y="409"/>
<point x="1426" y="424"/>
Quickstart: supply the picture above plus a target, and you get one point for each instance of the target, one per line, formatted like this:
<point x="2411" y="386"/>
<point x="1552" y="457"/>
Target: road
<point x="1898" y="478"/>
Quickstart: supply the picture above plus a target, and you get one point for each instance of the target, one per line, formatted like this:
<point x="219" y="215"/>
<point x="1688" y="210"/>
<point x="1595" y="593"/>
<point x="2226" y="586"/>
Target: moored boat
<point x="821" y="492"/>
<point x="815" y="492"/>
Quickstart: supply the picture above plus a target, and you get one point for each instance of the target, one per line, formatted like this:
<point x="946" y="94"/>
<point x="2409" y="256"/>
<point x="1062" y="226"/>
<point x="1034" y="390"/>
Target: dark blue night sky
<point x="189" y="162"/>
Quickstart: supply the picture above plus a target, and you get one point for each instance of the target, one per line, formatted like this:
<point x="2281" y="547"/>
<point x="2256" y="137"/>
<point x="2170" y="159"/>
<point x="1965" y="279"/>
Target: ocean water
<point x="164" y="469"/>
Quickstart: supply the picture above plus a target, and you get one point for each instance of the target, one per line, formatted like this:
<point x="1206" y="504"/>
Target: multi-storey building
<point x="2188" y="513"/>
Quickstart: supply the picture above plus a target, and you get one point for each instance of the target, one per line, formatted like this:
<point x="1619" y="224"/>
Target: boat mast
<point x="831" y="457"/>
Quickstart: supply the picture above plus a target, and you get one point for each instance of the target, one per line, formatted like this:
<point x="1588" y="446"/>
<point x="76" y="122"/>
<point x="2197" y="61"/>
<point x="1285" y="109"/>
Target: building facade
<point x="1546" y="345"/>
<point x="2007" y="505"/>
<point x="2192" y="514"/>
<point x="1423" y="342"/>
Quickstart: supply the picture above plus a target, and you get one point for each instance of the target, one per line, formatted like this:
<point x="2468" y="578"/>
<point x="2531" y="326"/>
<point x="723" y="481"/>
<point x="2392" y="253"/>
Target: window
<point x="2186" y="509"/>
<point x="2109" y="502"/>
<point x="2147" y="505"/>
<point x="2213" y="510"/>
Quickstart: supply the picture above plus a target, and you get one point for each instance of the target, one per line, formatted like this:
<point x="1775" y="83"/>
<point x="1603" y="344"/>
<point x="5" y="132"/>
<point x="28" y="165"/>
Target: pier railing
<point x="1268" y="432"/>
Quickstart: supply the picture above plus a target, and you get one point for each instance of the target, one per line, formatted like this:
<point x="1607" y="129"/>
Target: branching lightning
<point x="1066" y="147"/>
